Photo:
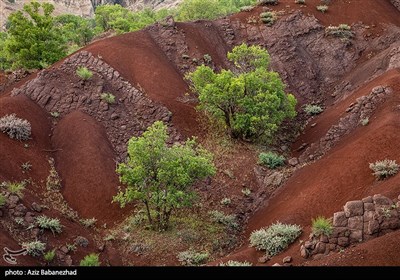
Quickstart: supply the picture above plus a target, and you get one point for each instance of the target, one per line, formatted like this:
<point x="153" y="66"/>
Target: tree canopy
<point x="249" y="99"/>
<point x="33" y="40"/>
<point x="161" y="176"/>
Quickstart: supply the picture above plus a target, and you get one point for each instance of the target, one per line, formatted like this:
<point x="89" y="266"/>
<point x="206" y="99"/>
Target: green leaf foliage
<point x="160" y="176"/>
<point x="250" y="100"/>
<point x="33" y="40"/>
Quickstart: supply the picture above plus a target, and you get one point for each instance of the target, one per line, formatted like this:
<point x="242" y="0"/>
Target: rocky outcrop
<point x="357" y="113"/>
<point x="396" y="3"/>
<point x="60" y="91"/>
<point x="360" y="220"/>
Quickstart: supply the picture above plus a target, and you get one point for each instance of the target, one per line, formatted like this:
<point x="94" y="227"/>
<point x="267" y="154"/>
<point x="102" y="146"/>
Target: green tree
<point x="33" y="40"/>
<point x="250" y="100"/>
<point x="76" y="29"/>
<point x="161" y="176"/>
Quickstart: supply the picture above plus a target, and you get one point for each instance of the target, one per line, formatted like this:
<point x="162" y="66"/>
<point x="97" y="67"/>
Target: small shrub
<point x="90" y="260"/>
<point x="311" y="109"/>
<point x="16" y="188"/>
<point x="19" y="221"/>
<point x="55" y="114"/>
<point x="88" y="222"/>
<point x="269" y="2"/>
<point x="108" y="98"/>
<point x="15" y="127"/>
<point x="364" y="121"/>
<point x="192" y="258"/>
<point x="270" y="159"/>
<point x="246" y="8"/>
<point x="3" y="200"/>
<point x="109" y="237"/>
<point x="246" y="191"/>
<point x="26" y="166"/>
<point x="84" y="73"/>
<point x="34" y="248"/>
<point x="71" y="247"/>
<point x="322" y="225"/>
<point x="268" y="18"/>
<point x="384" y="168"/>
<point x="341" y="31"/>
<point x="226" y="201"/>
<point x="221" y="218"/>
<point x="207" y="58"/>
<point x="322" y="8"/>
<point x="49" y="256"/>
<point x="235" y="263"/>
<point x="52" y="224"/>
<point x="300" y="2"/>
<point x="275" y="238"/>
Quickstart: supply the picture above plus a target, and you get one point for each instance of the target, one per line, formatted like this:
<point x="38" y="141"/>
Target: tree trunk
<point x="148" y="212"/>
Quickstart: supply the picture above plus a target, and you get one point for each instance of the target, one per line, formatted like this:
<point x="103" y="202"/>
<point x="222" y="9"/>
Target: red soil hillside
<point x="89" y="136"/>
<point x="83" y="158"/>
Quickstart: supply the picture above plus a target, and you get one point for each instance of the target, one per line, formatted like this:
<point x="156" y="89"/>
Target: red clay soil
<point x="85" y="161"/>
<point x="13" y="152"/>
<point x="373" y="12"/>
<point x="139" y="60"/>
<point x="202" y="37"/>
<point x="330" y="117"/>
<point x="6" y="241"/>
<point x="323" y="187"/>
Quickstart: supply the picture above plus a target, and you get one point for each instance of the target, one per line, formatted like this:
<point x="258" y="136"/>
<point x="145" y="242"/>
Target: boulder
<point x="356" y="223"/>
<point x="368" y="216"/>
<point x="354" y="208"/>
<point x="356" y="236"/>
<point x="81" y="241"/>
<point x="343" y="241"/>
<point x="287" y="259"/>
<point x="381" y="200"/>
<point x="36" y="207"/>
<point x="339" y="219"/>
<point x="367" y="200"/>
<point x="369" y="207"/>
<point x="373" y="227"/>
<point x="293" y="161"/>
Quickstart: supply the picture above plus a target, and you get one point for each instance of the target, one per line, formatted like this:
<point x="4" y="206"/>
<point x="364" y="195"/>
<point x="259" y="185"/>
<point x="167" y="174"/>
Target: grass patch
<point x="322" y="226"/>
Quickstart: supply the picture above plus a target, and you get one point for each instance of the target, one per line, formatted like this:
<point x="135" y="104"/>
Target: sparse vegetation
<point x="84" y="73"/>
<point x="239" y="98"/>
<point x="311" y="109"/>
<point x="52" y="224"/>
<point x="275" y="238"/>
<point x="34" y="248"/>
<point x="15" y="127"/>
<point x="53" y="181"/>
<point x="226" y="201"/>
<point x="322" y="225"/>
<point x="90" y="260"/>
<point x="227" y="220"/>
<point x="246" y="191"/>
<point x="384" y="168"/>
<point x="207" y="58"/>
<point x="15" y="187"/>
<point x="160" y="176"/>
<point x="271" y="160"/>
<point x="49" y="256"/>
<point x="322" y="8"/>
<point x="235" y="263"/>
<point x="268" y="18"/>
<point x="192" y="258"/>
<point x="342" y="31"/>
<point x="71" y="247"/>
<point x="364" y="121"/>
<point x="88" y="222"/>
<point x="26" y="166"/>
<point x="108" y="98"/>
<point x="55" y="114"/>
<point x="3" y="200"/>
